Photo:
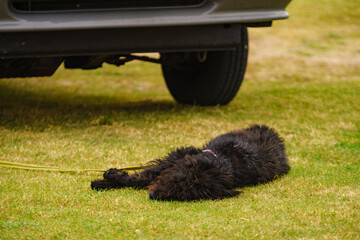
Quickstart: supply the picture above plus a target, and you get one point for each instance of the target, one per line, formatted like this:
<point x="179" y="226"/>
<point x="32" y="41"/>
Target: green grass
<point x="303" y="79"/>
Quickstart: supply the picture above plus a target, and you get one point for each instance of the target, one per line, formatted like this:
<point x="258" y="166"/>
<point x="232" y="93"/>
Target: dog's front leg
<point x="114" y="178"/>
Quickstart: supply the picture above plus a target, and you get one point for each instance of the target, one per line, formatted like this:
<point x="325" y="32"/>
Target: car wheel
<point x="206" y="78"/>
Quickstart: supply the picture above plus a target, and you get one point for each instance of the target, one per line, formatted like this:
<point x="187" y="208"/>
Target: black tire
<point x="206" y="78"/>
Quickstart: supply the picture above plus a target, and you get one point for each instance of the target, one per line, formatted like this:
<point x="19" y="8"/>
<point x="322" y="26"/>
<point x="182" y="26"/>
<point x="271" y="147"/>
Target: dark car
<point x="203" y="44"/>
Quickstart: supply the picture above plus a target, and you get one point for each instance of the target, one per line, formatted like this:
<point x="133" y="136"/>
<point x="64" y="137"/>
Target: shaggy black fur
<point x="233" y="160"/>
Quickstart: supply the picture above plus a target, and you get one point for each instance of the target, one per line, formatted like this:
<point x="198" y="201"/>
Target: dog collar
<point x="212" y="153"/>
<point x="209" y="151"/>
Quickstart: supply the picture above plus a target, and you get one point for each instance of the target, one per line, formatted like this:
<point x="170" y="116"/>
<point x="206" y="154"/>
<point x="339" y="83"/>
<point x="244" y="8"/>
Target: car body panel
<point x="209" y="12"/>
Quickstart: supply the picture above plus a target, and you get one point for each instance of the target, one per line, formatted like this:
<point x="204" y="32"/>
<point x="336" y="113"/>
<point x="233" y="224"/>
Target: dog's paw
<point x="99" y="185"/>
<point x="113" y="173"/>
<point x="110" y="172"/>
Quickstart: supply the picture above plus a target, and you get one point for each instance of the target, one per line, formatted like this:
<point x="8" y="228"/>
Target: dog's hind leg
<point x="193" y="178"/>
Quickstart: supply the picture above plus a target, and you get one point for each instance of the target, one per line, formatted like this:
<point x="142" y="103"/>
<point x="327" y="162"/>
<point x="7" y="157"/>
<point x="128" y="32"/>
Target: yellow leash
<point x="6" y="164"/>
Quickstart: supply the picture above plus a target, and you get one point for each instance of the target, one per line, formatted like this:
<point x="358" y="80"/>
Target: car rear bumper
<point x="208" y="12"/>
<point x="119" y="41"/>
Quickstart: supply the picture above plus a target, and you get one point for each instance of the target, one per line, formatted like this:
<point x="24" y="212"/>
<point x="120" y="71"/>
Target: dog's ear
<point x="183" y="151"/>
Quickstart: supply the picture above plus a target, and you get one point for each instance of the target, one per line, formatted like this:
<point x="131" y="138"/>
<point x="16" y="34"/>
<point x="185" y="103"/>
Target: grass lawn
<point x="303" y="79"/>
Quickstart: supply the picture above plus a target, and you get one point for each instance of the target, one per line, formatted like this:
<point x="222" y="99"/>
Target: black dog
<point x="233" y="160"/>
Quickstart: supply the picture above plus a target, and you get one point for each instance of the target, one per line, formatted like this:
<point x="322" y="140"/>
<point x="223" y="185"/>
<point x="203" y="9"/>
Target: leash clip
<point x="209" y="151"/>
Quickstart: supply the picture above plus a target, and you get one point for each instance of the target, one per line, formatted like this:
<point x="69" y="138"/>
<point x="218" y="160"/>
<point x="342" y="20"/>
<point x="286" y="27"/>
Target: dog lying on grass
<point x="233" y="160"/>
